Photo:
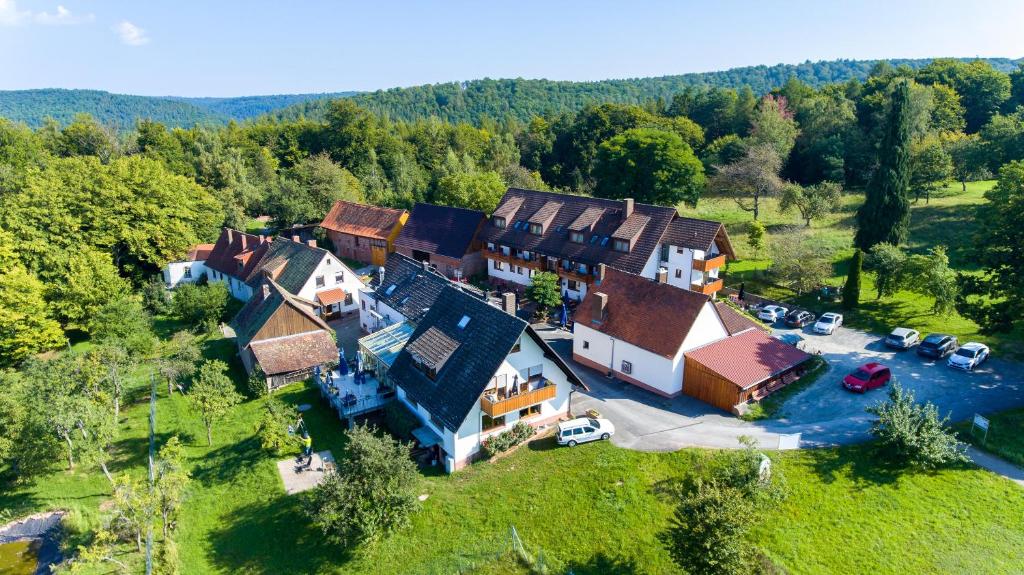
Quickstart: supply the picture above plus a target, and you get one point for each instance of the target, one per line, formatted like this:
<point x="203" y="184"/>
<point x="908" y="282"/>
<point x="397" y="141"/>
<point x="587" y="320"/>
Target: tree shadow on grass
<point x="224" y="463"/>
<point x="133" y="452"/>
<point x="273" y="536"/>
<point x="604" y="564"/>
<point x="864" y="464"/>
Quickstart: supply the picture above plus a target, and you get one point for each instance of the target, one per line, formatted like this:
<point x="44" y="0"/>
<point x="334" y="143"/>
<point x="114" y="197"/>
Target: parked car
<point x="868" y="376"/>
<point x="937" y="345"/>
<point x="772" y="313"/>
<point x="793" y="339"/>
<point x="584" y="429"/>
<point x="828" y="322"/>
<point x="969" y="356"/>
<point x="902" y="338"/>
<point x="799" y="318"/>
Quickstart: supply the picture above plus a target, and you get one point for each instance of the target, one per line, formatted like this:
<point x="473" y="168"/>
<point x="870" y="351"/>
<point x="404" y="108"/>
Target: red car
<point x="867" y="376"/>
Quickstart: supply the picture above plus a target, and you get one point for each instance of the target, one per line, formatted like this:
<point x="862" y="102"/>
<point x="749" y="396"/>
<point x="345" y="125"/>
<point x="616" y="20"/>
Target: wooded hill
<point x="454" y="101"/>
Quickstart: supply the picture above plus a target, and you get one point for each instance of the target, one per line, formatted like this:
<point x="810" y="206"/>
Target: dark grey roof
<point x="290" y="264"/>
<point x="441" y="230"/>
<point x="574" y="210"/>
<point x="483" y="344"/>
<point x="695" y="234"/>
<point x="416" y="289"/>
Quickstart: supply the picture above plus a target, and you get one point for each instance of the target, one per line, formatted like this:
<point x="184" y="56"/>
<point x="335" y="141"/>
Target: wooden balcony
<point x="707" y="288"/>
<point x="710" y="264"/>
<point x="517" y="402"/>
<point x="574" y="275"/>
<point x="534" y="264"/>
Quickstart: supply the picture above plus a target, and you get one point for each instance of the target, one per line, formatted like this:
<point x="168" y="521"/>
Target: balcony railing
<point x="495" y="407"/>
<point x="513" y="260"/>
<point x="708" y="287"/>
<point x="709" y="264"/>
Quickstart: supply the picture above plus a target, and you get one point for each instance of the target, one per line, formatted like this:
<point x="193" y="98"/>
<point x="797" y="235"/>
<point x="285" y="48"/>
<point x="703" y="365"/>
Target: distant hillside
<point x="522" y="99"/>
<point x="453" y="101"/>
<point x="122" y="111"/>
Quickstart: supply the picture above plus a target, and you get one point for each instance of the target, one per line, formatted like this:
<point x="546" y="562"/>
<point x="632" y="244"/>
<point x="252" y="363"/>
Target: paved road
<point x="824" y="414"/>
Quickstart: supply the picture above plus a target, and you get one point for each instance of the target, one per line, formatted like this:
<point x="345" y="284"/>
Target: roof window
<point x="390" y="290"/>
<point x="464" y="322"/>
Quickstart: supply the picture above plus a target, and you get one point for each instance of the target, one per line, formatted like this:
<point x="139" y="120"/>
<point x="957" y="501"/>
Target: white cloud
<point x="131" y="34"/>
<point x="10" y="15"/>
<point x="63" y="17"/>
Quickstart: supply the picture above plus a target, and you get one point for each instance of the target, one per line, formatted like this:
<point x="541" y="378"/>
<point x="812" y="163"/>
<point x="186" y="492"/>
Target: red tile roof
<point x="234" y="247"/>
<point x="748" y="358"/>
<point x="734" y="321"/>
<point x="294" y="352"/>
<point x="651" y="315"/>
<point x="199" y="252"/>
<point x="361" y="220"/>
<point x="331" y="296"/>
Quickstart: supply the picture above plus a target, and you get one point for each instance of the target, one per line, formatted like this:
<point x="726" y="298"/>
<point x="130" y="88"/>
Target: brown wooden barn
<point x="745" y="367"/>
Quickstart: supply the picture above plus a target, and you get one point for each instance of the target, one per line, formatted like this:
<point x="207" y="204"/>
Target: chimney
<point x="508" y="302"/>
<point x="599" y="273"/>
<point x="297" y="239"/>
<point x="663" y="275"/>
<point x="263" y="238"/>
<point x="311" y="242"/>
<point x="231" y="234"/>
<point x="425" y="264"/>
<point x="627" y="207"/>
<point x="600" y="307"/>
<point x="266" y="290"/>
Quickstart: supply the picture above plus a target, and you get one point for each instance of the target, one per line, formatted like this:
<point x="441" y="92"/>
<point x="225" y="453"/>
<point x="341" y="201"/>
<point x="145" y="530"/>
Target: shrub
<point x="399" y="421"/>
<point x="851" y="291"/>
<point x="272" y="427"/>
<point x="201" y="307"/>
<point x="506" y="440"/>
<point x="256" y="384"/>
<point x="912" y="434"/>
<point x="707" y="533"/>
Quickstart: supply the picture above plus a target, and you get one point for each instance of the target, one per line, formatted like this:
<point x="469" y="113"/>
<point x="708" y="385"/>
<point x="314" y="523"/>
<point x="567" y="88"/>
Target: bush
<point x="506" y="440"/>
<point x="256" y="384"/>
<point x="201" y="307"/>
<point x="912" y="434"/>
<point x="272" y="428"/>
<point x="707" y="534"/>
<point x="851" y="291"/>
<point x="399" y="421"/>
<point x="156" y="297"/>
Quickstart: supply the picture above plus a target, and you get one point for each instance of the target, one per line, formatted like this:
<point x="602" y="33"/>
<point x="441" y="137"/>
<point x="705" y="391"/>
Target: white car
<point x="584" y="429"/>
<point x="772" y="313"/>
<point x="969" y="356"/>
<point x="828" y="322"/>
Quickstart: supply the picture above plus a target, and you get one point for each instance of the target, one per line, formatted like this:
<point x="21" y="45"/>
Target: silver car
<point x="902" y="338"/>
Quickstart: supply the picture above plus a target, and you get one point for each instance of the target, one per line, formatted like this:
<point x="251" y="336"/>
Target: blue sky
<point x="227" y="48"/>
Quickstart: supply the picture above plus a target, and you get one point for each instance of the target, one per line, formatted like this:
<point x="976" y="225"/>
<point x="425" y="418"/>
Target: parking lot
<point x="824" y="413"/>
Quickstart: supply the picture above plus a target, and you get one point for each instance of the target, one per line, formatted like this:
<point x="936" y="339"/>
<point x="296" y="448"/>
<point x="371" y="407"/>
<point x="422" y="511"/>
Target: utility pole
<point x="152" y="450"/>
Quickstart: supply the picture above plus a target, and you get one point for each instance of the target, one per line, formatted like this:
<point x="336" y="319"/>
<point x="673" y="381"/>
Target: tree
<point x="967" y="155"/>
<point x="309" y="189"/>
<point x="751" y="178"/>
<point x="993" y="300"/>
<point x="155" y="296"/>
<point x="179" y="360"/>
<point x="724" y="150"/>
<point x="912" y="434"/>
<point x="115" y="363"/>
<point x="371" y="494"/>
<point x="707" y="532"/>
<point x="88" y="282"/>
<point x="126" y="323"/>
<point x="814" y="201"/>
<point x="756" y="232"/>
<point x="85" y="137"/>
<point x="171" y="481"/>
<point x="212" y="394"/>
<point x="476" y="191"/>
<point x="982" y="88"/>
<point x="930" y="167"/>
<point x="773" y="125"/>
<point x="201" y="306"/>
<point x="888" y="263"/>
<point x="653" y="166"/>
<point x="545" y="291"/>
<point x="799" y="263"/>
<point x="851" y="290"/>
<point x="931" y="275"/>
<point x="272" y="428"/>
<point x="133" y="509"/>
<point x="885" y="215"/>
<point x="26" y="327"/>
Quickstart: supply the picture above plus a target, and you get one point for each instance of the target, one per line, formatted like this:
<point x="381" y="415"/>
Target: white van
<point x="583" y="429"/>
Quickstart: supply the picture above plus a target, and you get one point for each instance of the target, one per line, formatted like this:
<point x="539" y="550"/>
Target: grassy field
<point x="594" y="509"/>
<point x="948" y="219"/>
<point x="1005" y="435"/>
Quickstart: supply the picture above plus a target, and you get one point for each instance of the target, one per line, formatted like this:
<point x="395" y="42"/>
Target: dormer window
<point x="536" y="229"/>
<point x="576" y="237"/>
<point x="620" y="245"/>
<point x="499" y="222"/>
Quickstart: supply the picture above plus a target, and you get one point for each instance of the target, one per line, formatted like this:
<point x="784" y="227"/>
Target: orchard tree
<point x="930" y="167"/>
<point x="212" y="394"/>
<point x="171" y="481"/>
<point x="888" y="263"/>
<point x="707" y="532"/>
<point x="124" y="322"/>
<point x="812" y="202"/>
<point x="750" y="179"/>
<point x="201" y="306"/>
<point x="756" y="235"/>
<point x="885" y="215"/>
<point x="799" y="263"/>
<point x="653" y="166"/>
<point x="913" y="434"/>
<point x="179" y="360"/>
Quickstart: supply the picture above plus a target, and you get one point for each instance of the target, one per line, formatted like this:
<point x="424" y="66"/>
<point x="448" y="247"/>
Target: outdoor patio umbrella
<point x="342" y="363"/>
<point x="316" y="373"/>
<point x="563" y="318"/>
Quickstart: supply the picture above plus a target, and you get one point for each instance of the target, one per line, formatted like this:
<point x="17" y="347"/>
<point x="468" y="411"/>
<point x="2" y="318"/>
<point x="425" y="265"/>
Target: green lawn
<point x="594" y="509"/>
<point x="1005" y="435"/>
<point x="948" y="219"/>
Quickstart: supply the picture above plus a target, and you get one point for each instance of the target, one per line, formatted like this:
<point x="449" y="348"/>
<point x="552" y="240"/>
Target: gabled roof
<point x="734" y="321"/>
<point x="603" y="216"/>
<point x="748" y="358"/>
<point x="199" y="252"/>
<point x="294" y="352"/>
<point x="255" y="313"/>
<point x="290" y="264"/>
<point x="440" y="230"/>
<point x="415" y="290"/>
<point x="362" y="220"/>
<point x="698" y="235"/>
<point x="650" y="315"/>
<point x="236" y="253"/>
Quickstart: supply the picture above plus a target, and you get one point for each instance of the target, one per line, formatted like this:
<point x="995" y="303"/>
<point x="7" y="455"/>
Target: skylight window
<point x="604" y="241"/>
<point x="464" y="322"/>
<point x="593" y="239"/>
<point x="390" y="290"/>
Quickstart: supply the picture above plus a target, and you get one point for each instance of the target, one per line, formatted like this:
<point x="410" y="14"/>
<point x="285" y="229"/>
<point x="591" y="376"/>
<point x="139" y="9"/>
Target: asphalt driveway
<point x="824" y="414"/>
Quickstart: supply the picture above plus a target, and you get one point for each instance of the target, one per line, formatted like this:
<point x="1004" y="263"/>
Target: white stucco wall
<point x="174" y="272"/>
<point x="509" y="273"/>
<point x="329" y="267"/>
<point x="366" y="319"/>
